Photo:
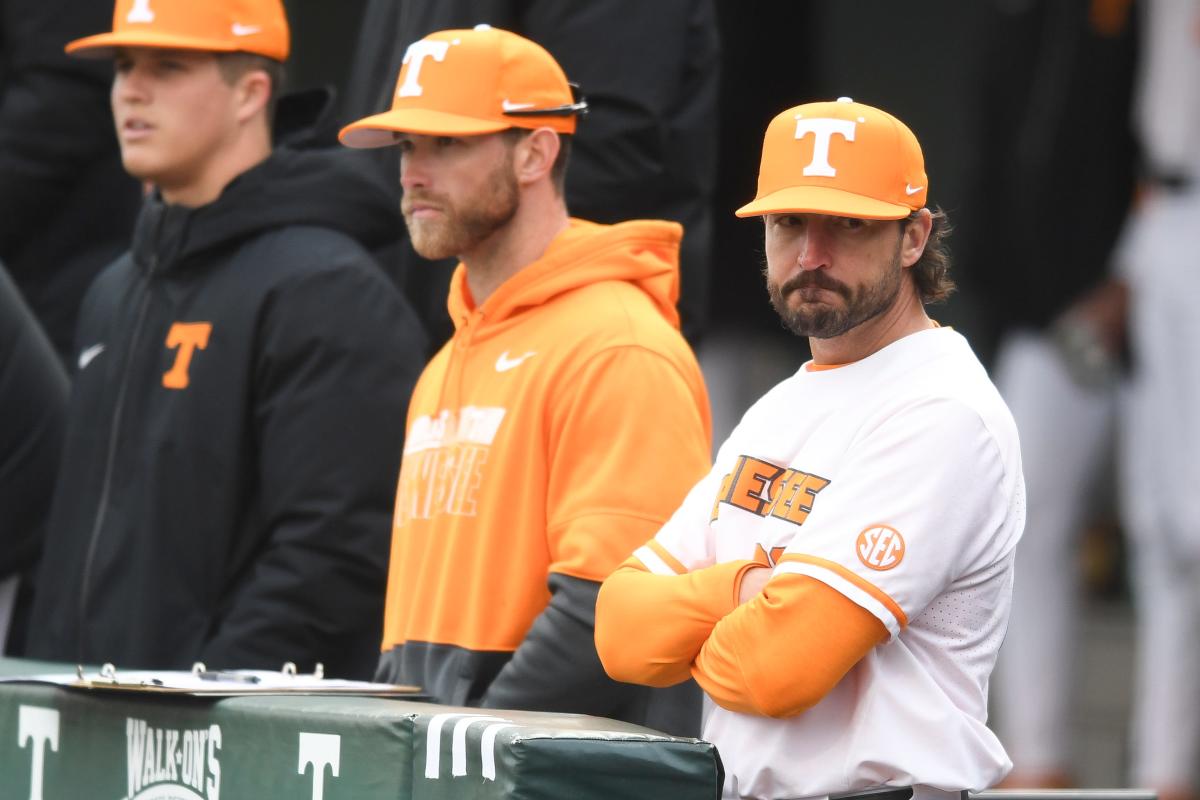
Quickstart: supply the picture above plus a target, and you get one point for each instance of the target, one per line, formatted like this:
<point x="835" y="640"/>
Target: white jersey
<point x="897" y="481"/>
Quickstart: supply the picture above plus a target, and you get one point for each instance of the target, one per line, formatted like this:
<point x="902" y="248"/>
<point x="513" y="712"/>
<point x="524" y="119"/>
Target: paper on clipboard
<point x="219" y="683"/>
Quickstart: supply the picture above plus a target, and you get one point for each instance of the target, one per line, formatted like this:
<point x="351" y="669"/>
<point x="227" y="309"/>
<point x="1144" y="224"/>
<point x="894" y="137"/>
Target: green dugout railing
<point x="69" y="744"/>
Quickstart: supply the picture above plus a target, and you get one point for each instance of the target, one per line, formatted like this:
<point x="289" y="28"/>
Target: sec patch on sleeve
<point x="880" y="547"/>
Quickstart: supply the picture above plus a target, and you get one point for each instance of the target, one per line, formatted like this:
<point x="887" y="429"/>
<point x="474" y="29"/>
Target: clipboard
<point x="202" y="682"/>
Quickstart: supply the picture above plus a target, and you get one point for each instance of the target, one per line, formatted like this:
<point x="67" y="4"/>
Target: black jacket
<point x="66" y="205"/>
<point x="234" y="507"/>
<point x="33" y="413"/>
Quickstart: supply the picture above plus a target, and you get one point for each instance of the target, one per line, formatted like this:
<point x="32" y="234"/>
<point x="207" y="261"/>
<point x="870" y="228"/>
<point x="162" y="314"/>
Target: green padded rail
<point x="71" y="744"/>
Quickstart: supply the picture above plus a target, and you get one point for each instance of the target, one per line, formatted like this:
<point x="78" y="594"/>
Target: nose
<point x="129" y="86"/>
<point x="814" y="247"/>
<point x="413" y="174"/>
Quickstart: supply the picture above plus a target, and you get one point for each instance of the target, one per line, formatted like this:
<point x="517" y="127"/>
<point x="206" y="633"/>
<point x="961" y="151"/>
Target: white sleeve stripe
<point x="652" y="561"/>
<point x="840" y="584"/>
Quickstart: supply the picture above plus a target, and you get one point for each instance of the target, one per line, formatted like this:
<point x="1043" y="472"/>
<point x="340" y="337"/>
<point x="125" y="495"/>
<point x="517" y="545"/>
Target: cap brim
<point x="102" y="45"/>
<point x="380" y="130"/>
<point x="824" y="200"/>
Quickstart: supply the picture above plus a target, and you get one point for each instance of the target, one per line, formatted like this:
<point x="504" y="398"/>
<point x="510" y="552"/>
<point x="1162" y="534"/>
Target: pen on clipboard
<point x="228" y="677"/>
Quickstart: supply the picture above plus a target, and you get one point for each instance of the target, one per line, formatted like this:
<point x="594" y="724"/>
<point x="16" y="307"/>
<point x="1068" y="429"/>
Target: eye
<point x="788" y="220"/>
<point x="851" y="223"/>
<point x="167" y="66"/>
<point x="446" y="141"/>
<point x="404" y="143"/>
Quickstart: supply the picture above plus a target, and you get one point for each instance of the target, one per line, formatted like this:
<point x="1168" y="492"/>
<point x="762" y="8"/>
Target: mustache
<point x="816" y="279"/>
<point x="409" y="199"/>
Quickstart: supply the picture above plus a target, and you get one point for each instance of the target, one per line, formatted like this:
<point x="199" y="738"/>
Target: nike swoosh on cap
<point x="911" y="190"/>
<point x="511" y="106"/>
<point x="245" y="30"/>
<point x="89" y="355"/>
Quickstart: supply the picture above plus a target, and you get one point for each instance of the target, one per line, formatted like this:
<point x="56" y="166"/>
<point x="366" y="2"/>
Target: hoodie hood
<point x="291" y="187"/>
<point x="642" y="252"/>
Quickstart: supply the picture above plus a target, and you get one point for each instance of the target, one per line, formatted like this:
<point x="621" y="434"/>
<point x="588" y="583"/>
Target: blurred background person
<point x="1159" y="437"/>
<point x="66" y="206"/>
<point x="33" y="406"/>
<point x="1056" y="173"/>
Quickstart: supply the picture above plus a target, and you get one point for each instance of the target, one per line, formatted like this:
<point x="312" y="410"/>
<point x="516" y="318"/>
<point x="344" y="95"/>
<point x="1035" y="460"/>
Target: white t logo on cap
<point x="141" y="12"/>
<point x="415" y="56"/>
<point x="823" y="130"/>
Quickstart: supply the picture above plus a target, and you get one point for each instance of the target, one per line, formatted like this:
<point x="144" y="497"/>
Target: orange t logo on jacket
<point x="187" y="336"/>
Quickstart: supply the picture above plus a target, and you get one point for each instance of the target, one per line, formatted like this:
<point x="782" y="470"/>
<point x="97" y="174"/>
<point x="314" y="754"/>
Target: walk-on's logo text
<point x="444" y="457"/>
<point x="173" y="764"/>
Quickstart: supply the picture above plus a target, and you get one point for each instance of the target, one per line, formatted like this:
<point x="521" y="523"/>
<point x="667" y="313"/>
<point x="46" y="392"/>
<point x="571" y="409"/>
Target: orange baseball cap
<point x="839" y="158"/>
<point x="221" y="26"/>
<point x="471" y="82"/>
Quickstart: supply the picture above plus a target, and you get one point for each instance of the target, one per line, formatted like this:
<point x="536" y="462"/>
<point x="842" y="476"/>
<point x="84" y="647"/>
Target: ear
<point x="914" y="237"/>
<point x="252" y="93"/>
<point x="534" y="155"/>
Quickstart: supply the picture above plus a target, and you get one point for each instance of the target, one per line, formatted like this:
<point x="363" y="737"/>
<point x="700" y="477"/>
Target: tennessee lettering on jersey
<point x="444" y="460"/>
<point x="766" y="489"/>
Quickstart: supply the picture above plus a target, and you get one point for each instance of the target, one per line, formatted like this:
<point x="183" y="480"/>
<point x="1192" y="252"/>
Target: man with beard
<point x="561" y="424"/>
<point x="839" y="583"/>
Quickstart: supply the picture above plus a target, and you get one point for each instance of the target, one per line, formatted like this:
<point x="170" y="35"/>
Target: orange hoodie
<point x="553" y="434"/>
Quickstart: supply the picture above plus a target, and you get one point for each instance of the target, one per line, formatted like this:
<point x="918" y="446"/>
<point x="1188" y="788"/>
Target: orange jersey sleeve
<point x="780" y="653"/>
<point x="650" y="627"/>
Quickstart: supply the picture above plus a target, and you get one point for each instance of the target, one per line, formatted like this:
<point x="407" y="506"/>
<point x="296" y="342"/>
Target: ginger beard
<point x="806" y="312"/>
<point x="462" y="226"/>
